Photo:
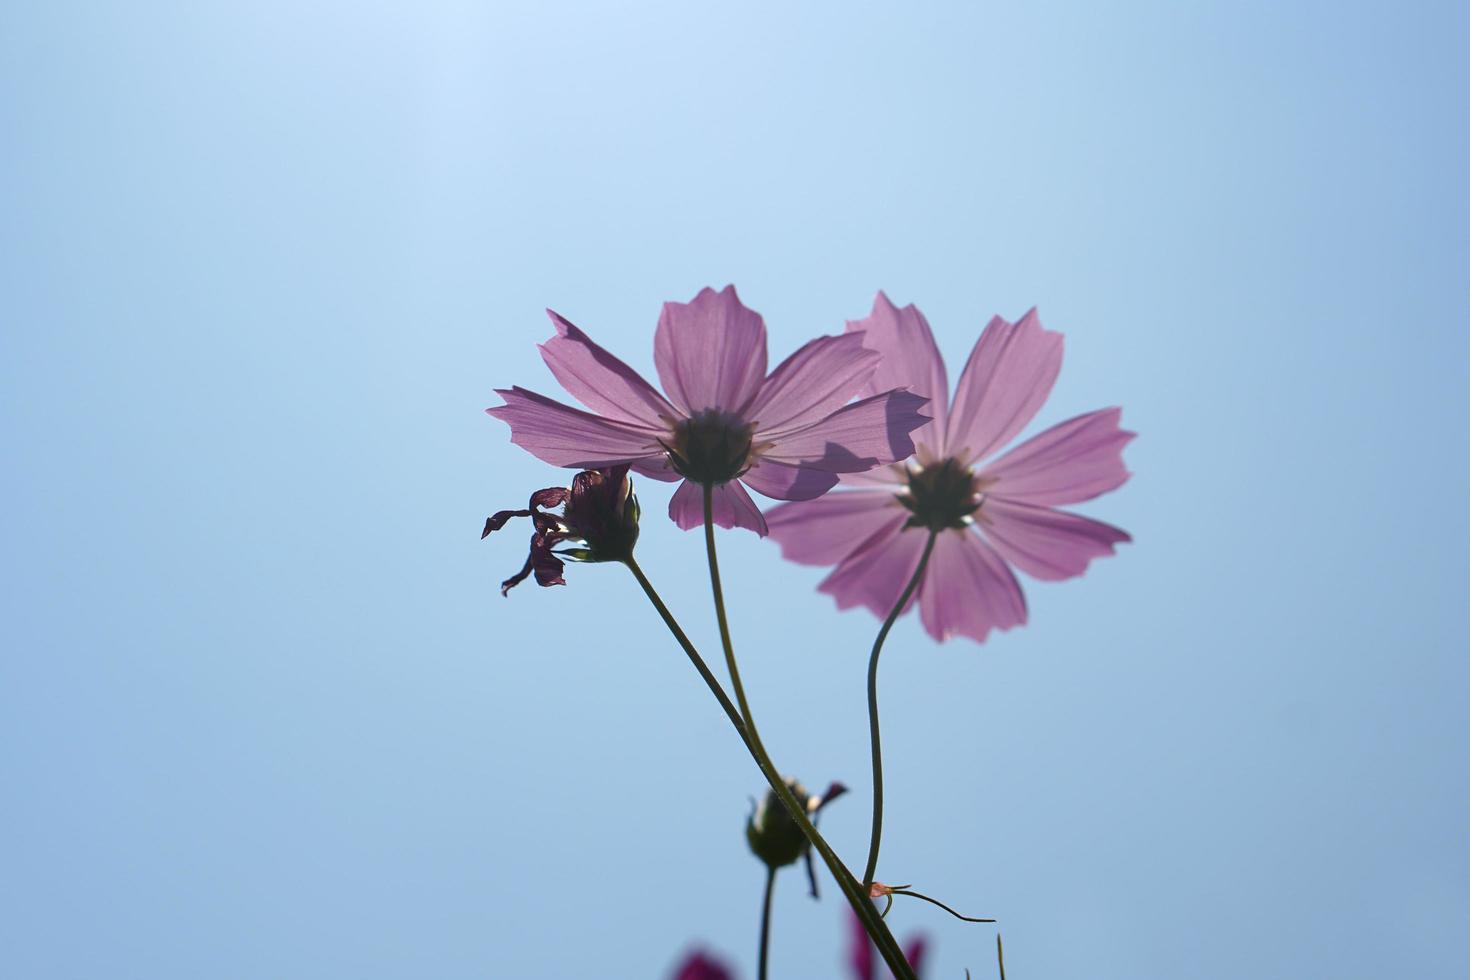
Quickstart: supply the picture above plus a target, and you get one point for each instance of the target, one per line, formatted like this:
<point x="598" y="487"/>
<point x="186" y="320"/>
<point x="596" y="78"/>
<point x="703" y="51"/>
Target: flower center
<point x="710" y="447"/>
<point x="941" y="495"/>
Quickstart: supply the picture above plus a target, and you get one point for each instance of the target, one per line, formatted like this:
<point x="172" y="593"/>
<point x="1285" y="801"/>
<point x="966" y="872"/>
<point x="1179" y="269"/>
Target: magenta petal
<point x="710" y="352"/>
<point x="701" y="966"/>
<point x="1005" y="382"/>
<point x="1066" y="464"/>
<point x="817" y="380"/>
<point x="892" y="477"/>
<point x="914" y="953"/>
<point x="657" y="468"/>
<point x="826" y="530"/>
<point x="1044" y="543"/>
<point x="874" y="575"/>
<point x="852" y="439"/>
<point x="565" y="436"/>
<point x="600" y="381"/>
<point x="861" y="956"/>
<point x="788" y="482"/>
<point x="731" y="506"/>
<point x="968" y="590"/>
<point x="910" y="360"/>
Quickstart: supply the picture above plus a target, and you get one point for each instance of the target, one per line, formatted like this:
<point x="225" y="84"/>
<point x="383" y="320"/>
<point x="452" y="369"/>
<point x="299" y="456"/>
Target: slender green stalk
<point x="874" y="739"/>
<point x="694" y="657"/>
<point x="766" y="920"/>
<point x="845" y="880"/>
<point x="856" y="896"/>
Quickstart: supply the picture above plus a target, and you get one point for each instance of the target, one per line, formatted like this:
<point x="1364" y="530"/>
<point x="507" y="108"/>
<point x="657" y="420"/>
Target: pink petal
<point x="699" y="965"/>
<point x="890" y="477"/>
<point x="788" y="482"/>
<point x="910" y="360"/>
<point x="812" y="383"/>
<point x="875" y="573"/>
<point x="1066" y="464"/>
<point x="1007" y="378"/>
<point x="852" y="439"/>
<point x="914" y="952"/>
<point x="826" y="530"/>
<point x="731" y="506"/>
<point x="1044" y="543"/>
<point x="565" y="436"/>
<point x="861" y="955"/>
<point x="968" y="590"/>
<point x="657" y="468"/>
<point x="711" y="352"/>
<point x="600" y="381"/>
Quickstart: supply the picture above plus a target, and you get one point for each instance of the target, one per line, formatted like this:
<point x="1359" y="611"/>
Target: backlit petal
<point x="852" y="439"/>
<point x="821" y="377"/>
<point x="1005" y="382"/>
<point x="875" y="574"/>
<point x="710" y="352"/>
<point x="1066" y="464"/>
<point x="788" y="482"/>
<point x="731" y="506"/>
<point x="657" y="468"/>
<point x="1045" y="543"/>
<point x="564" y="436"/>
<point x="968" y="590"/>
<point x="600" y="381"/>
<point x="892" y="477"/>
<point x="826" y="530"/>
<point x="910" y="360"/>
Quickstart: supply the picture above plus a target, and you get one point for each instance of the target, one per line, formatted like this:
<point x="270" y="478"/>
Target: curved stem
<point x="856" y="896"/>
<point x="709" y="678"/>
<point x="873" y="735"/>
<point x="766" y="920"/>
<point x="935" y="901"/>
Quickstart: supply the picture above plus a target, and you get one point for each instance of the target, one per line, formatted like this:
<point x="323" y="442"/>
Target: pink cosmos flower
<point x="990" y="512"/>
<point x="725" y="422"/>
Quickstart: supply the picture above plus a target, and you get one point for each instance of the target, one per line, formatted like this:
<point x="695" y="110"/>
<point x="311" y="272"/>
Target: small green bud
<point x="772" y="834"/>
<point x="776" y="838"/>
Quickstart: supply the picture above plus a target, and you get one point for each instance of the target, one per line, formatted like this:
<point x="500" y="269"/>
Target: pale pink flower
<point x="725" y="422"/>
<point x="991" y="512"/>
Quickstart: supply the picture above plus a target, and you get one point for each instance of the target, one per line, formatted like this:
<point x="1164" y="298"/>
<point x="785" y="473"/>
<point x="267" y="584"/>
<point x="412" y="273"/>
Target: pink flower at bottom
<point x="991" y="512"/>
<point x="699" y="965"/>
<point x="862" y="956"/>
<point x="725" y="422"/>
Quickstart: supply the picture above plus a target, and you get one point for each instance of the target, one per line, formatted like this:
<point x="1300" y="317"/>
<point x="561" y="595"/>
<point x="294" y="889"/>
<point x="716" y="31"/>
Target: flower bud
<point x="775" y="837"/>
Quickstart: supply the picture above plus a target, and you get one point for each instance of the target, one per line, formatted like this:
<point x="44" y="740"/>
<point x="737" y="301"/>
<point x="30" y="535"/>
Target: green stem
<point x="874" y="738"/>
<point x="766" y="919"/>
<point x="709" y="678"/>
<point x="935" y="901"/>
<point x="856" y="896"/>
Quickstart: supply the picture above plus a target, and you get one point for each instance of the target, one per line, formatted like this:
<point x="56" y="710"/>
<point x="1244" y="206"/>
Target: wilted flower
<point x="777" y="839"/>
<point x="599" y="520"/>
<point x="989" y="513"/>
<point x="725" y="423"/>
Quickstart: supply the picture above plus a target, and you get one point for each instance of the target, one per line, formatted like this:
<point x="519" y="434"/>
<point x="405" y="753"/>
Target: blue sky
<point x="263" y="713"/>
